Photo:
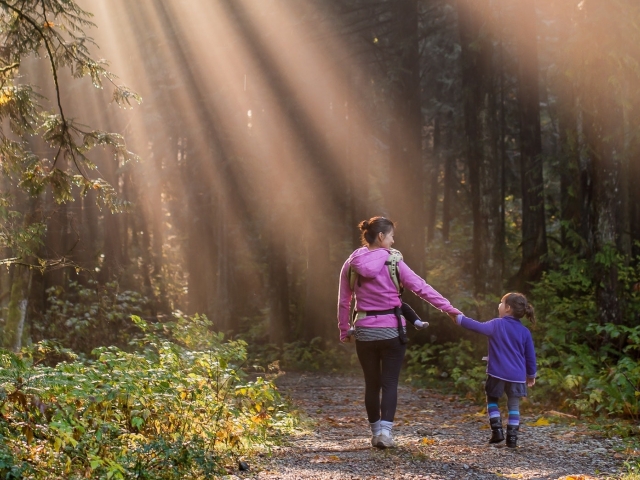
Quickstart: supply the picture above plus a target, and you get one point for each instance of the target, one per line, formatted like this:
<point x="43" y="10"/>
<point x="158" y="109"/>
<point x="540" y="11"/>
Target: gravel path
<point x="438" y="437"/>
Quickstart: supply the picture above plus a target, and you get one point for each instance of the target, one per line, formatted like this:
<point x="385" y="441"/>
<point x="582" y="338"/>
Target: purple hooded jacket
<point x="512" y="356"/>
<point x="376" y="290"/>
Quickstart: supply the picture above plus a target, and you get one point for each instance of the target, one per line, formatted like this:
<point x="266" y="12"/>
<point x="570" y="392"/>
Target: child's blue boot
<point x="512" y="436"/>
<point x="497" y="434"/>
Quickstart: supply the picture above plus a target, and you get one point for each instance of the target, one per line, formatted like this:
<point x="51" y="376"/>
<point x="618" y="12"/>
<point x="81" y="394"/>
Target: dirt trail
<point x="438" y="437"/>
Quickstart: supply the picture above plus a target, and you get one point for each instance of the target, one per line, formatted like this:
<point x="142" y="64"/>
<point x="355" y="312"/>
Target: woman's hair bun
<point x="373" y="227"/>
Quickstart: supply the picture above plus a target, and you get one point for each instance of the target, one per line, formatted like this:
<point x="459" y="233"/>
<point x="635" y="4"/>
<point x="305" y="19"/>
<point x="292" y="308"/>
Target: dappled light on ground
<point x="439" y="436"/>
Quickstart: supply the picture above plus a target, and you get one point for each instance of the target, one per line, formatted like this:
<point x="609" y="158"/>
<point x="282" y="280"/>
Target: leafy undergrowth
<point x="587" y="367"/>
<point x="316" y="355"/>
<point x="179" y="405"/>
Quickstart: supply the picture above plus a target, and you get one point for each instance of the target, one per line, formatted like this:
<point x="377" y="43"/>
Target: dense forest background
<point x="171" y="237"/>
<point x="501" y="136"/>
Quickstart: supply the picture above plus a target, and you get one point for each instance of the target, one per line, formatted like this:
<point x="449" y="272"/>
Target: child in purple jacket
<point x="511" y="365"/>
<point x="379" y="327"/>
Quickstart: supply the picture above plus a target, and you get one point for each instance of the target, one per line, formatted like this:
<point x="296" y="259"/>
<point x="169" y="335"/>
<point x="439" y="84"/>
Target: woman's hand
<point x="349" y="337"/>
<point x="454" y="317"/>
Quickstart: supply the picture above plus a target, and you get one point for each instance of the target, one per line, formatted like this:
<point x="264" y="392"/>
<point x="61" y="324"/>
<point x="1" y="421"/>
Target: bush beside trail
<point x="586" y="367"/>
<point x="179" y="405"/>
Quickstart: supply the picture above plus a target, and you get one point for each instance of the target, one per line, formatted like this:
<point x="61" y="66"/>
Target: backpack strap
<point x="395" y="257"/>
<point x="353" y="276"/>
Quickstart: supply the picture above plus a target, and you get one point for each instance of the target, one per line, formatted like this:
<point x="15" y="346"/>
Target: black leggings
<point x="381" y="361"/>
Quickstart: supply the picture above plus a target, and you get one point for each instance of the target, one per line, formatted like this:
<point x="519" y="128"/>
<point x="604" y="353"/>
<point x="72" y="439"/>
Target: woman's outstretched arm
<point x="417" y="285"/>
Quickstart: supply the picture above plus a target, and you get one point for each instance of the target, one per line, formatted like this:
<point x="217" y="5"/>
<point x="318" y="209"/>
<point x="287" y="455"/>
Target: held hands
<point x="453" y="317"/>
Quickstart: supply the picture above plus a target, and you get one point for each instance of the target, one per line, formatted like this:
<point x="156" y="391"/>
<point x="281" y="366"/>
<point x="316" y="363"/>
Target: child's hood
<point x="368" y="263"/>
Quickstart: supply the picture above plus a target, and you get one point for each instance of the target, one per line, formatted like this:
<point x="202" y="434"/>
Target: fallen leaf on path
<point x="427" y="441"/>
<point x="555" y="413"/>
<point x="541" y="422"/>
<point x="577" y="477"/>
<point x="329" y="459"/>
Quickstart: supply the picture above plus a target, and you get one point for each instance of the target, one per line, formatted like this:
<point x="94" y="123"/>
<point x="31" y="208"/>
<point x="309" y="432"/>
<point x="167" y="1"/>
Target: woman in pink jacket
<point x="379" y="329"/>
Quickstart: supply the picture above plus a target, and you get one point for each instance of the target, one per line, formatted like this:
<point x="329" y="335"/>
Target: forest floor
<point x="439" y="436"/>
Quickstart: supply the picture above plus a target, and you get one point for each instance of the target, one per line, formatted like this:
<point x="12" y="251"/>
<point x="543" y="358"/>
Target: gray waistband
<point x="369" y="334"/>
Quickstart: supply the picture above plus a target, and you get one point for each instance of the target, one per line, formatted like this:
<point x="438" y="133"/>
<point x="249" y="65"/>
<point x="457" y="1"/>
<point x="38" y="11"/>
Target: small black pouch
<point x="401" y="333"/>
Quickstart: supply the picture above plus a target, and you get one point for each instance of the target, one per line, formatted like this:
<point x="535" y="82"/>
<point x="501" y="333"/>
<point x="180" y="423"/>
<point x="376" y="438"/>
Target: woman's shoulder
<point x="358" y="251"/>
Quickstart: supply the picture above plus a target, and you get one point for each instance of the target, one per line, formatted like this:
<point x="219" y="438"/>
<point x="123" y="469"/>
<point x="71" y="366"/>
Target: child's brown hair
<point x="520" y="307"/>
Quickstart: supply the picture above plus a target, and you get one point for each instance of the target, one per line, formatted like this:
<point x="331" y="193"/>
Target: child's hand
<point x="531" y="382"/>
<point x="419" y="324"/>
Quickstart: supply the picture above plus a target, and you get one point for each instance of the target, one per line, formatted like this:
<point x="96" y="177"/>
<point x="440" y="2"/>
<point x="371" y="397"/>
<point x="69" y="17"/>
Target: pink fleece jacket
<point x="376" y="290"/>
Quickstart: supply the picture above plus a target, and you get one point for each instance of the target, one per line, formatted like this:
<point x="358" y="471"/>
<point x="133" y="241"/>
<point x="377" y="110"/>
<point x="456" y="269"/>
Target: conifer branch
<point x="9" y="67"/>
<point x="66" y="137"/>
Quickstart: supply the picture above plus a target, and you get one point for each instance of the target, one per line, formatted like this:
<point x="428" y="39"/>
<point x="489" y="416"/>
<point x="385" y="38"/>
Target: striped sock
<point x="514" y="417"/>
<point x="493" y="410"/>
<point x="513" y="405"/>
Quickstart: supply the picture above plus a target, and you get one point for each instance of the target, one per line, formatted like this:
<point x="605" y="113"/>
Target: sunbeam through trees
<point x="226" y="179"/>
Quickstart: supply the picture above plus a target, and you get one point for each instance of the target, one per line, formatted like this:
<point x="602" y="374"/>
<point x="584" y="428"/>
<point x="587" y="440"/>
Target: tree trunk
<point x="480" y="143"/>
<point x="112" y="237"/>
<point x="449" y="180"/>
<point x="534" y="236"/>
<point x="223" y="258"/>
<point x="634" y="193"/>
<point x="91" y="236"/>
<point x="406" y="190"/>
<point x="17" y="310"/>
<point x="570" y="188"/>
<point x="434" y="174"/>
<point x="200" y="234"/>
<point x="359" y="153"/>
<point x="321" y="282"/>
<point x="279" y="326"/>
<point x="603" y="135"/>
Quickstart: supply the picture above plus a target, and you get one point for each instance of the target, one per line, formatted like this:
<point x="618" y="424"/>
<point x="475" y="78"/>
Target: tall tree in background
<point x="601" y="100"/>
<point x="407" y="200"/>
<point x="440" y="99"/>
<point x="572" y="213"/>
<point x="480" y="129"/>
<point x="534" y="236"/>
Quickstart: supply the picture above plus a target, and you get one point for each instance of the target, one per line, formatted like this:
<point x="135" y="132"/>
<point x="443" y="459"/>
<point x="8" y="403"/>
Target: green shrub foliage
<point x="179" y="406"/>
<point x="315" y="355"/>
<point x="593" y="366"/>
<point x="84" y="317"/>
<point x="584" y="366"/>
